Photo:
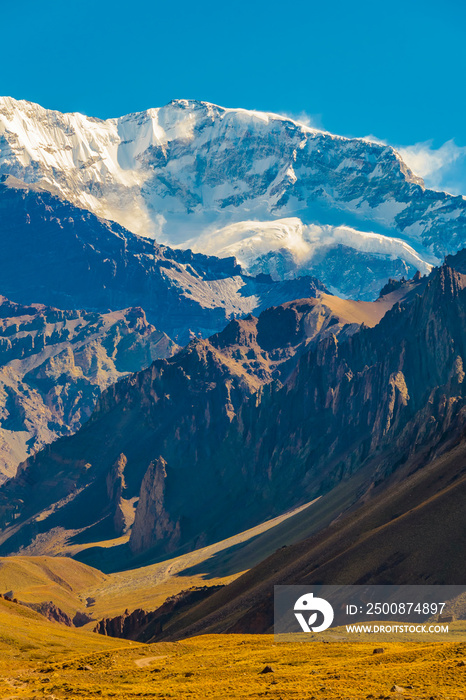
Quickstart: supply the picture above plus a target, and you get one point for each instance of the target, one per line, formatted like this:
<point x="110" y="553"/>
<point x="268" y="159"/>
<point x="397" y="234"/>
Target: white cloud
<point x="375" y="139"/>
<point x="441" y="168"/>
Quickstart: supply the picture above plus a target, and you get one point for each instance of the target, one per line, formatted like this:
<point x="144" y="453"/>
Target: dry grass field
<point x="41" y="659"/>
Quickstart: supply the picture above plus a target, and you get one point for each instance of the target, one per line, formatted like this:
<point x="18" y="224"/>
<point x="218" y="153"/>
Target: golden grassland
<point x="58" y="579"/>
<point x="41" y="659"/>
<point x="73" y="586"/>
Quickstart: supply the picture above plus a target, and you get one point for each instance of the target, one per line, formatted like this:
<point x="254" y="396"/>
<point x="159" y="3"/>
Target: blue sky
<point x="390" y="69"/>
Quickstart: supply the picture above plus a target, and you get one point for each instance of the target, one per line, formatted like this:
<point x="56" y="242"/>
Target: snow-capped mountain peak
<point x="194" y="174"/>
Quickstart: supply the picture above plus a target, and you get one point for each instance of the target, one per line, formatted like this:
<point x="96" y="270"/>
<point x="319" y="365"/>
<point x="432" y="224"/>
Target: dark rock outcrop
<point x="143" y="626"/>
<point x="126" y="626"/>
<point x="81" y="618"/>
<point x="51" y="612"/>
<point x="123" y="509"/>
<point x="152" y="523"/>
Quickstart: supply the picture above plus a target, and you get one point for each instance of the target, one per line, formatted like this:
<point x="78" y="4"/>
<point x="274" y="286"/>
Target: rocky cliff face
<point x="182" y="435"/>
<point x="142" y="625"/>
<point x="57" y="254"/>
<point x="49" y="610"/>
<point x="281" y="197"/>
<point x="123" y="508"/>
<point x="54" y="365"/>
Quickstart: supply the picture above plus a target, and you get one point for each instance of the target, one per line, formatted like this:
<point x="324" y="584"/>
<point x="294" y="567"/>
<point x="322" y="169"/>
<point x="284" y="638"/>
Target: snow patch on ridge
<point x="250" y="240"/>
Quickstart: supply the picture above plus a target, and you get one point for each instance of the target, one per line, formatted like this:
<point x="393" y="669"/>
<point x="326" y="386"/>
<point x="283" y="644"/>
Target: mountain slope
<point x="54" y="364"/>
<point x="197" y="434"/>
<point x="62" y="256"/>
<point x="409" y="533"/>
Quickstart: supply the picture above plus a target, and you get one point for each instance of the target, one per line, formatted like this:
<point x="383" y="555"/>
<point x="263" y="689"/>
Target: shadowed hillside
<point x="411" y="532"/>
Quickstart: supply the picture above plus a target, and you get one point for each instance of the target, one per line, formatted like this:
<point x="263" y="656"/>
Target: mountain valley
<point x="232" y="356"/>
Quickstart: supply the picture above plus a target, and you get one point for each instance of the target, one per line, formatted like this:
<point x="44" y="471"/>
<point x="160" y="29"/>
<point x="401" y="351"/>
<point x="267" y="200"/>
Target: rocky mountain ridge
<point x="194" y="435"/>
<point x="199" y="391"/>
<point x="54" y="365"/>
